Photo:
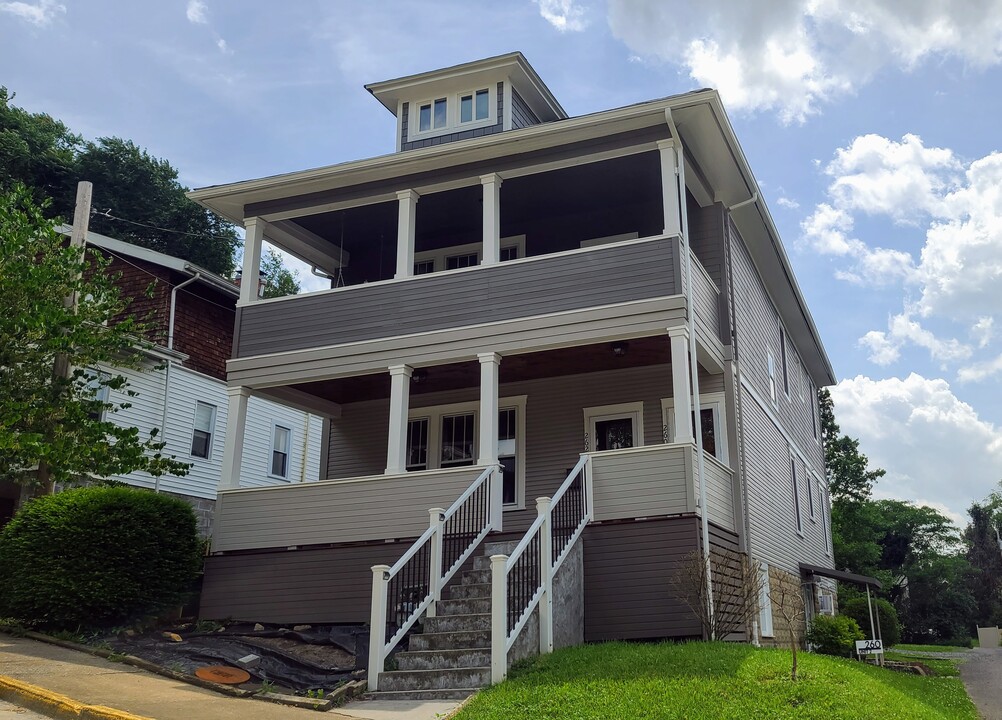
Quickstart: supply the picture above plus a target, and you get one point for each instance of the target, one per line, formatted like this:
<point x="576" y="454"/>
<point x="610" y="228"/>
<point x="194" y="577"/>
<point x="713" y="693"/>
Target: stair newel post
<point x="377" y="624"/>
<point x="495" y="508"/>
<point x="499" y="618"/>
<point x="436" y="517"/>
<point x="545" y="576"/>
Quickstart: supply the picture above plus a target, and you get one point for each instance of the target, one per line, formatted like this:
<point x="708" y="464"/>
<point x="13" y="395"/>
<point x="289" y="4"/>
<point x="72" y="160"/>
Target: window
<point x="772" y="376"/>
<point x="814" y="410"/>
<point x="825" y="510"/>
<point x="765" y="603"/>
<point x="447" y="436"/>
<point x="280" y="440"/>
<point x="96" y="384"/>
<point x="826" y="603"/>
<point x="203" y="429"/>
<point x="796" y="495"/>
<point x="433" y="115"/>
<point x="810" y="495"/>
<point x="614" y="427"/>
<point x="712" y="420"/>
<point x="463" y="256"/>
<point x="782" y="358"/>
<point x="475" y="106"/>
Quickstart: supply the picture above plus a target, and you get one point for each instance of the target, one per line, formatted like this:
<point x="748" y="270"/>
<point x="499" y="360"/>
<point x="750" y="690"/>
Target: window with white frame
<point x="810" y="494"/>
<point x="783" y="360"/>
<point x="825" y="516"/>
<point x="97" y="384"/>
<point x="203" y="429"/>
<point x="764" y="603"/>
<point x="462" y="256"/>
<point x="771" y="367"/>
<point x="796" y="494"/>
<point x="466" y="110"/>
<point x="826" y="602"/>
<point x="614" y="427"/>
<point x="281" y="440"/>
<point x="446" y="436"/>
<point x="813" y="402"/>
<point x="712" y="420"/>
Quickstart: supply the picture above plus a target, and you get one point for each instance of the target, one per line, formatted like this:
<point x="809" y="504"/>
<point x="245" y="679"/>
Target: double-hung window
<point x="281" y="439"/>
<point x="810" y="495"/>
<point x="203" y="428"/>
<point x="97" y="384"/>
<point x="782" y="359"/>
<point x="796" y="494"/>
<point x="771" y="367"/>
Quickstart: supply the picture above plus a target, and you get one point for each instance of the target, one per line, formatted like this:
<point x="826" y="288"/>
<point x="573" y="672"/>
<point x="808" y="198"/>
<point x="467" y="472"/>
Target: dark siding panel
<point x="297" y="586"/>
<point x="628" y="573"/>
<point x="602" y="276"/>
<point x="521" y="114"/>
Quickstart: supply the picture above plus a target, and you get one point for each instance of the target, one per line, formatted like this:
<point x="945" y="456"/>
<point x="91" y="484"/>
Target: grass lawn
<point x="942" y="667"/>
<point x="712" y="680"/>
<point x="931" y="648"/>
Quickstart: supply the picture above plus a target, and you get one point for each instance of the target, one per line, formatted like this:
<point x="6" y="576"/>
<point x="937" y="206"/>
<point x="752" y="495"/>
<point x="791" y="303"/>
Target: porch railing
<point x="524" y="580"/>
<point x="413" y="585"/>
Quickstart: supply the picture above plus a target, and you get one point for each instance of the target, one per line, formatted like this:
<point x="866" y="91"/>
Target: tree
<point x="788" y="599"/>
<point x="131" y="184"/>
<point x="985" y="557"/>
<point x="737" y="586"/>
<point x="279" y="281"/>
<point x="849" y="476"/>
<point x="45" y="419"/>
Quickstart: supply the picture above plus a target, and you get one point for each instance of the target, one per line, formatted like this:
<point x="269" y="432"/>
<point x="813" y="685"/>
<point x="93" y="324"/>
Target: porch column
<point x="396" y="442"/>
<point x="251" y="272"/>
<point x="492" y="218"/>
<point x="488" y="454"/>
<point x="680" y="384"/>
<point x="669" y="188"/>
<point x="406" y="223"/>
<point x="233" y="445"/>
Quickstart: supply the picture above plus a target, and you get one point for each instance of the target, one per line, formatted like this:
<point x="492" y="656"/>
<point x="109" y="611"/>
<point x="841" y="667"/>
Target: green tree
<point x="39" y="151"/>
<point x="61" y="423"/>
<point x="849" y="475"/>
<point x="985" y="557"/>
<point x="131" y="184"/>
<point x="279" y="281"/>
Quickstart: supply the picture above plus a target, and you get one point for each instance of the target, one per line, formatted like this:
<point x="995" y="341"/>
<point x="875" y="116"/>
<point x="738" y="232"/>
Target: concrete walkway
<point x="982" y="676"/>
<point x="94" y="681"/>
<point x="14" y="712"/>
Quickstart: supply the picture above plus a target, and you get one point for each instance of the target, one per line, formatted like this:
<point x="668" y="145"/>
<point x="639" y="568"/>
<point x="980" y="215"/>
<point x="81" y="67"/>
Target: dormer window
<point x="469" y="110"/>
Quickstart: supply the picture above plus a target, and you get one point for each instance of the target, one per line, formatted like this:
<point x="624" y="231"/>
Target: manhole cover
<point x="223" y="674"/>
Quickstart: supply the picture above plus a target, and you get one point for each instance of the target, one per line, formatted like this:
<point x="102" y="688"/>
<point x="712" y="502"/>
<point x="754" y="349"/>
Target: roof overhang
<point x="840" y="575"/>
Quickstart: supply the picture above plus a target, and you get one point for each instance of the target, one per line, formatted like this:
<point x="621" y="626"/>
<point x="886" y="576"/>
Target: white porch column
<point x="488" y="408"/>
<point x="396" y="445"/>
<point x="669" y="188"/>
<point x="233" y="446"/>
<point x="251" y="271"/>
<point x="406" y="223"/>
<point x="492" y="218"/>
<point x="681" y="391"/>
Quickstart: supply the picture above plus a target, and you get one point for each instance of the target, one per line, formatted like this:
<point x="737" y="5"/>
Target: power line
<point x="107" y="214"/>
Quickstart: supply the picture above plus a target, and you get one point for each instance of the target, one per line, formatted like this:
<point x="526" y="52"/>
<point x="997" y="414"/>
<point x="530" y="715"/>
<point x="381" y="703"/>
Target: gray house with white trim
<point x="523" y="305"/>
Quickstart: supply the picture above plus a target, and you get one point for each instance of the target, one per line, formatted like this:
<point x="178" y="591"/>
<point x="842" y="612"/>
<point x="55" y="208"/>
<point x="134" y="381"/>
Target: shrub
<point x="834" y="635"/>
<point x="890" y="627"/>
<point x="95" y="557"/>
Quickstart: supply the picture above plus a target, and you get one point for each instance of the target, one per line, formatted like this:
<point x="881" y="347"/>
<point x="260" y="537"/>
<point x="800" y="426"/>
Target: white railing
<point x="524" y="580"/>
<point x="413" y="586"/>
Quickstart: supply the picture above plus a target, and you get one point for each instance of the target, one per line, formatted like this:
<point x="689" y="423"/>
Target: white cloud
<point x="885" y="346"/>
<point x="980" y="370"/>
<point x="983" y="331"/>
<point x="223" y="47"/>
<point x="564" y="15"/>
<point x="788" y="203"/>
<point x="39" y="14"/>
<point x="792" y="56"/>
<point x="932" y="445"/>
<point x="197" y="12"/>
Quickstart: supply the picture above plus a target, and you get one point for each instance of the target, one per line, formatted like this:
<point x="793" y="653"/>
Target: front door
<point x="614" y="434"/>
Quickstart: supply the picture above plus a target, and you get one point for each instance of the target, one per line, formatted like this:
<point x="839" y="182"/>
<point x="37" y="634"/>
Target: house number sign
<point x="869" y="647"/>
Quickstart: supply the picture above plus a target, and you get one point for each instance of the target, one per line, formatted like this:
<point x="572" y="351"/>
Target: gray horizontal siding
<point x="642" y="482"/>
<point x="521" y="114"/>
<point x="629" y="568"/>
<point x="323" y="585"/>
<point x="705" y="300"/>
<point x="719" y="494"/>
<point x="334" y="511"/>
<point x="547" y="284"/>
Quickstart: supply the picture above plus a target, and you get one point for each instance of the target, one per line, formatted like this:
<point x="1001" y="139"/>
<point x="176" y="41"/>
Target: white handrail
<point x="502" y="639"/>
<point x="383" y="574"/>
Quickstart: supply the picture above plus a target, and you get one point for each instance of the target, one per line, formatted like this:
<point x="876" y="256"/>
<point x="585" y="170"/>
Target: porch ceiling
<point x="514" y="368"/>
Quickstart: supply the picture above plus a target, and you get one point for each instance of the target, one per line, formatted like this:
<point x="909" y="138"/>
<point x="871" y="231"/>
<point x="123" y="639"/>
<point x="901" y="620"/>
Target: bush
<point x="95" y="557"/>
<point x="890" y="627"/>
<point x="834" y="635"/>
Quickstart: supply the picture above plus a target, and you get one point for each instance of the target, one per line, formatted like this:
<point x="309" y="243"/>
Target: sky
<point x="871" y="126"/>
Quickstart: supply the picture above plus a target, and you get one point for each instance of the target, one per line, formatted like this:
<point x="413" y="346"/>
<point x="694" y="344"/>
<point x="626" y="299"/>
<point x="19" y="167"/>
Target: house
<point x="182" y="390"/>
<point x="525" y="309"/>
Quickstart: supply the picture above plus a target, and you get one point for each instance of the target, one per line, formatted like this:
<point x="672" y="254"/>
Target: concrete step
<point x="450" y="640"/>
<point x="457" y="623"/>
<point x="457" y="592"/>
<point x="505" y="547"/>
<point x="481" y="562"/>
<point x="445" y="694"/>
<point x="443" y="659"/>
<point x="463" y="606"/>
<point x="454" y="678"/>
<point x="475" y="577"/>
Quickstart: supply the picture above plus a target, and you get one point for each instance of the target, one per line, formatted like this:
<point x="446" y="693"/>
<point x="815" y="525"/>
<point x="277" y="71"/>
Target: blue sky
<point x="872" y="127"/>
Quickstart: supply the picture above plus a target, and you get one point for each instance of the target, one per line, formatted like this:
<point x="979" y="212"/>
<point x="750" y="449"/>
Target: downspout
<point x="170" y="346"/>
<point x="694" y="370"/>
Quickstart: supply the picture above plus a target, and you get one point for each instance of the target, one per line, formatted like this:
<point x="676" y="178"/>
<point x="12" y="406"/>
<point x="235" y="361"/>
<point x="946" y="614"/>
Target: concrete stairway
<point x="451" y="657"/>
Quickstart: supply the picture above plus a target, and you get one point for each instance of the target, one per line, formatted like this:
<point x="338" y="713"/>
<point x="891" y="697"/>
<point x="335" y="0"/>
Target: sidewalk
<point x="96" y="681"/>
<point x="982" y="676"/>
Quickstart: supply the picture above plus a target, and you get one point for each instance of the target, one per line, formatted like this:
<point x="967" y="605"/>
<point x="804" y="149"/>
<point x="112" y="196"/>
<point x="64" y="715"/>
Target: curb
<point x="57" y="706"/>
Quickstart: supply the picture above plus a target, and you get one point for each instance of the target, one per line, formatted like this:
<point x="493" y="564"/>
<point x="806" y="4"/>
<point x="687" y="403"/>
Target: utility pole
<point x="61" y="367"/>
